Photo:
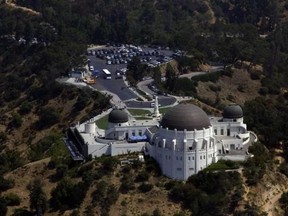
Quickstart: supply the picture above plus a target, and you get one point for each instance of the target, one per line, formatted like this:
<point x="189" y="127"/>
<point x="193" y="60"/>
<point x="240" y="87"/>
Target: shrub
<point x="263" y="91"/>
<point x="48" y="116"/>
<point x="3" y="207"/>
<point x="142" y="176"/>
<point x="12" y="199"/>
<point x="22" y="212"/>
<point x="215" y="88"/>
<point x="105" y="195"/>
<point x="109" y="164"/>
<point x="144" y="187"/>
<point x="255" y="76"/>
<point x="6" y="184"/>
<point x="25" y="108"/>
<point x="283" y="168"/>
<point x="127" y="184"/>
<point x="170" y="184"/>
<point x="16" y="121"/>
<point x="67" y="195"/>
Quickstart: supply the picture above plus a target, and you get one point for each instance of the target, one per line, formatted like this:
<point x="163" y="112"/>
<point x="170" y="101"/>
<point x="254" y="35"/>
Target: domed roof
<point x="185" y="116"/>
<point x="233" y="111"/>
<point x="118" y="116"/>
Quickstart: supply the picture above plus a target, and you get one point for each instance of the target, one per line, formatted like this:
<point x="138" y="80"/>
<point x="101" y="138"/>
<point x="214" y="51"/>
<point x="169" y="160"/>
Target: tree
<point x="136" y="70"/>
<point x="38" y="201"/>
<point x="48" y="116"/>
<point x="157" y="76"/>
<point x="170" y="78"/>
<point x="16" y="121"/>
<point x="3" y="207"/>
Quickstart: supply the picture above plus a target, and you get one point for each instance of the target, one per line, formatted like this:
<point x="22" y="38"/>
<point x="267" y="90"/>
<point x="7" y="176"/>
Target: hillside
<point x="42" y="40"/>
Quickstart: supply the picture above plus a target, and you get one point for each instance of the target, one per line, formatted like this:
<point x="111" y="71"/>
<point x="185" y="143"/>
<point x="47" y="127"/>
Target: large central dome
<point x="185" y="116"/>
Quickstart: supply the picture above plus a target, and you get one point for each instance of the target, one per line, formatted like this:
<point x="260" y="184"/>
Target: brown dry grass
<point x="229" y="88"/>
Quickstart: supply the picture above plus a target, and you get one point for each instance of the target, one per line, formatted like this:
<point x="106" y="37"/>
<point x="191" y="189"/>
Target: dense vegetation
<point x="37" y="49"/>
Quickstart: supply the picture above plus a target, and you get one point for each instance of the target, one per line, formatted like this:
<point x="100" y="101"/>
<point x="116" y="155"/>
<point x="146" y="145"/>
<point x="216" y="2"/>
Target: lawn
<point x="222" y="165"/>
<point x="164" y="110"/>
<point x="102" y="123"/>
<point x="139" y="112"/>
<point x="142" y="118"/>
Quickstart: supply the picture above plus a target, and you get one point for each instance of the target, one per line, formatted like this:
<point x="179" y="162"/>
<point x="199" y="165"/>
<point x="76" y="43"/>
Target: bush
<point x="127" y="184"/>
<point x="67" y="195"/>
<point x="209" y="77"/>
<point x="144" y="187"/>
<point x="283" y="168"/>
<point x="152" y="166"/>
<point x="222" y="165"/>
<point x="3" y="207"/>
<point x="12" y="199"/>
<point x="16" y="121"/>
<point x="48" y="116"/>
<point x="22" y="212"/>
<point x="215" y="88"/>
<point x="109" y="164"/>
<point x="25" y="108"/>
<point x="6" y="184"/>
<point x="263" y="91"/>
<point x="105" y="195"/>
<point x="255" y="76"/>
<point x="38" y="150"/>
<point x="142" y="176"/>
<point x="170" y="184"/>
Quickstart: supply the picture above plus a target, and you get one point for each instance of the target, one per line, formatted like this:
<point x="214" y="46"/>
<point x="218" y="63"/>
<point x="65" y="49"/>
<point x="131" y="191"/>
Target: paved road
<point x="124" y="92"/>
<point x="118" y="86"/>
<point x="143" y="85"/>
<point x="163" y="101"/>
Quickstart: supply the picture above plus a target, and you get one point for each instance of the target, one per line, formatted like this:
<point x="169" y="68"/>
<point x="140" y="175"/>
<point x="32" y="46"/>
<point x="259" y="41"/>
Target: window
<point x="181" y="158"/>
<point x="189" y="158"/>
<point x="222" y="131"/>
<point x="204" y="157"/>
<point x="228" y="132"/>
<point x="193" y="158"/>
<point x="169" y="157"/>
<point x="200" y="157"/>
<point x="166" y="157"/>
<point x="133" y="133"/>
<point x="191" y="168"/>
<point x="140" y="133"/>
<point x="215" y="131"/>
<point x="179" y="169"/>
<point x="176" y="157"/>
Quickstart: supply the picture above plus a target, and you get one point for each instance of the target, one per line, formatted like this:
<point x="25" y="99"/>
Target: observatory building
<point x="184" y="141"/>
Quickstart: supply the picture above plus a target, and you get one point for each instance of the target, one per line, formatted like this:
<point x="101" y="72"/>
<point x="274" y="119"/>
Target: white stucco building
<point x="184" y="141"/>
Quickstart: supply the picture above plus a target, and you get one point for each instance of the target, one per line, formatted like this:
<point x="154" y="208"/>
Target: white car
<point x="91" y="68"/>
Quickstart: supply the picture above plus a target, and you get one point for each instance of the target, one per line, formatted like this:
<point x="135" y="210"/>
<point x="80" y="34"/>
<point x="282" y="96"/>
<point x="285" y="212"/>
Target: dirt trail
<point x="246" y="188"/>
<point x="10" y="3"/>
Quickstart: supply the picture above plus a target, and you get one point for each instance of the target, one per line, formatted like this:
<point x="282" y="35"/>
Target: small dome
<point x="118" y="116"/>
<point x="185" y="116"/>
<point x="232" y="111"/>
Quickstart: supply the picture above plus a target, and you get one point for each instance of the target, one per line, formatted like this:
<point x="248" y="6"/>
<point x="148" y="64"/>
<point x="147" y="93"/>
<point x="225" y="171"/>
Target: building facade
<point x="184" y="141"/>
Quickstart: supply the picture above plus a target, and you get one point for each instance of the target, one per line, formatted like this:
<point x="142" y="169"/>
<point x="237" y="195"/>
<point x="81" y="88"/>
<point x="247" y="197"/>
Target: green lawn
<point x="222" y="165"/>
<point x="102" y="123"/>
<point x="164" y="109"/>
<point x="142" y="118"/>
<point x="139" y="112"/>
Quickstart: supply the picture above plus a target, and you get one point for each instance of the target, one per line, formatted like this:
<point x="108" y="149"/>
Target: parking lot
<point x="116" y="58"/>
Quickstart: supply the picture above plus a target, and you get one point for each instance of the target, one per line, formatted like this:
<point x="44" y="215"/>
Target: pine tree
<point x="38" y="201"/>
